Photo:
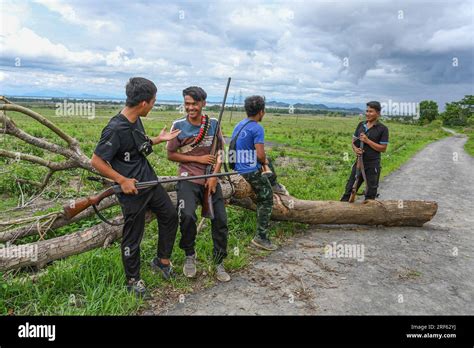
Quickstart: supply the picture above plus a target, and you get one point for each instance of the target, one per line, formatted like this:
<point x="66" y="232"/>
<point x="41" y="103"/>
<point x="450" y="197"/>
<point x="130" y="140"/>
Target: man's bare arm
<point x="377" y="147"/>
<point x="261" y="156"/>
<point x="127" y="185"/>
<point x="165" y="136"/>
<point x="372" y="144"/>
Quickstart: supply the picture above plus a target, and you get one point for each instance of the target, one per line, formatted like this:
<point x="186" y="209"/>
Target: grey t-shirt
<point x="188" y="133"/>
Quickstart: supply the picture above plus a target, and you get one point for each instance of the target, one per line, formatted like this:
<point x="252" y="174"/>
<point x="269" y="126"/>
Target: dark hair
<point x="374" y="105"/>
<point x="139" y="89"/>
<point x="254" y="104"/>
<point x="195" y="92"/>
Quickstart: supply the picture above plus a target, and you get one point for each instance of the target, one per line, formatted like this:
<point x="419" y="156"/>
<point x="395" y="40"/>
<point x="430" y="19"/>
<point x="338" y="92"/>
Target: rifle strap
<point x="241" y="129"/>
<point x="102" y="217"/>
<point x="228" y="176"/>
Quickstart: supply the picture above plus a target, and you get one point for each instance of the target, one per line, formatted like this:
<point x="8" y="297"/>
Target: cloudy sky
<point x="311" y="51"/>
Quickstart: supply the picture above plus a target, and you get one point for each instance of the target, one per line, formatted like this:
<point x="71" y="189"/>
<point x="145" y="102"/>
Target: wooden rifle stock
<point x="352" y="198"/>
<point x="360" y="170"/>
<point x="207" y="207"/>
<point x="74" y="208"/>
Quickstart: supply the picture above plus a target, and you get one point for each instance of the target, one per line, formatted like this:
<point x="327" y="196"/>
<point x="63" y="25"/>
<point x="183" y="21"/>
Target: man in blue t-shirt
<point x="254" y="166"/>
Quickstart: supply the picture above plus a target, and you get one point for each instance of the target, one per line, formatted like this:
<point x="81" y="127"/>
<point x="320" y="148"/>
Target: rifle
<point x="360" y="170"/>
<point x="207" y="207"/>
<point x="71" y="210"/>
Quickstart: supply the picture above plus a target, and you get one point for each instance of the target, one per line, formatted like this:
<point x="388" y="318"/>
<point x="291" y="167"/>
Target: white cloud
<point x="451" y="39"/>
<point x="69" y="14"/>
<point x="12" y="15"/>
<point x="26" y="43"/>
<point x="283" y="49"/>
<point x="261" y="16"/>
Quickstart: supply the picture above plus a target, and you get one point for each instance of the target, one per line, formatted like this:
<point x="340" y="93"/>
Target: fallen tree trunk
<point x="287" y="208"/>
<point x="38" y="254"/>
<point x="385" y="213"/>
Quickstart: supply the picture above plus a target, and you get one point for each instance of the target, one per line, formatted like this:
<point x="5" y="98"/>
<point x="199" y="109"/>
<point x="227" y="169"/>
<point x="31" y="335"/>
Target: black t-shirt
<point x="378" y="133"/>
<point x="117" y="146"/>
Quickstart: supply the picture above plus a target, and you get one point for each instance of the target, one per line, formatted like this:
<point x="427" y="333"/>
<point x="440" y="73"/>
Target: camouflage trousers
<point x="262" y="186"/>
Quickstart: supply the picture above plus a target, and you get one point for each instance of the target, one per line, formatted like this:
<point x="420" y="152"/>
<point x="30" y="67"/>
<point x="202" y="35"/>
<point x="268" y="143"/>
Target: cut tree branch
<point x="54" y="166"/>
<point x="41" y="119"/>
<point x="73" y="154"/>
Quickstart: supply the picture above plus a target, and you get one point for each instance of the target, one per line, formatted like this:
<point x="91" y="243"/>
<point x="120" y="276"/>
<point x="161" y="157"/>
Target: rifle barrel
<point x="219" y="121"/>
<point x="146" y="184"/>
<point x="221" y="112"/>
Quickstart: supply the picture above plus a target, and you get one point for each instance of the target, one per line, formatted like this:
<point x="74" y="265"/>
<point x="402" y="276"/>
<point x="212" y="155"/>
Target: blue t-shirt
<point x="246" y="154"/>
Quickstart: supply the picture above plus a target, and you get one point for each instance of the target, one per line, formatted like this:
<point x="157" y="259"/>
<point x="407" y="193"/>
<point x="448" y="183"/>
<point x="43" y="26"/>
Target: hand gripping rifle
<point x="71" y="210"/>
<point x="207" y="207"/>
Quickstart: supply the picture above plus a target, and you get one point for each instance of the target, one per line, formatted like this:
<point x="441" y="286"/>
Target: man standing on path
<point x="374" y="135"/>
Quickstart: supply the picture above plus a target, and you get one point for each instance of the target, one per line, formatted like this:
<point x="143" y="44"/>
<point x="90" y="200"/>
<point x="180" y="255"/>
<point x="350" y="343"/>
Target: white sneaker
<point x="189" y="268"/>
<point x="221" y="273"/>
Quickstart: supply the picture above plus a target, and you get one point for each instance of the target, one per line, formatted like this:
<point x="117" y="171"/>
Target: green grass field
<point x="469" y="145"/>
<point x="313" y="159"/>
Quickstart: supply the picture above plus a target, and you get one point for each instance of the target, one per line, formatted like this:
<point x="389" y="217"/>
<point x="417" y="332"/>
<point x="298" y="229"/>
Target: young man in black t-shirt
<point x="375" y="137"/>
<point x="120" y="156"/>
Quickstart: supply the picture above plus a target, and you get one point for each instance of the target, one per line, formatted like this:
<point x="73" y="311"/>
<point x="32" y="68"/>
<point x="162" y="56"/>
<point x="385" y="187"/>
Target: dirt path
<point x="428" y="270"/>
